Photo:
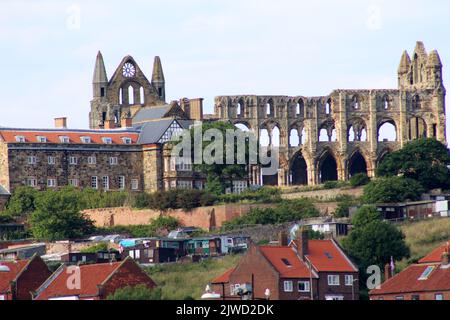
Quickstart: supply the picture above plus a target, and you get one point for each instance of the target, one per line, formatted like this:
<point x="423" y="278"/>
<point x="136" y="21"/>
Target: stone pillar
<point x="402" y="125"/>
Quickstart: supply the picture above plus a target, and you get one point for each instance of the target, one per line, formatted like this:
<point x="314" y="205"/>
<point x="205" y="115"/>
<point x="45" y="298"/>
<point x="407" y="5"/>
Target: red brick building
<point x="429" y="279"/>
<point x="19" y="278"/>
<point x="303" y="270"/>
<point x="96" y="281"/>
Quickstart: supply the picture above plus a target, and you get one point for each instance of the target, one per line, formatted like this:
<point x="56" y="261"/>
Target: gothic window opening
<point x="299" y="170"/>
<point x="294" y="140"/>
<point x="328" y="169"/>
<point x="141" y="95"/>
<point x="275" y="137"/>
<point x="303" y="137"/>
<point x="323" y="136"/>
<point x="116" y="117"/>
<point x="264" y="138"/>
<point x="357" y="164"/>
<point x="355" y="103"/>
<point x="300" y="109"/>
<point x="416" y="104"/>
<point x="130" y="95"/>
<point x="120" y="96"/>
<point x="385" y="103"/>
<point x="417" y="128"/>
<point x="328" y="107"/>
<point x="102" y="92"/>
<point x="387" y="131"/>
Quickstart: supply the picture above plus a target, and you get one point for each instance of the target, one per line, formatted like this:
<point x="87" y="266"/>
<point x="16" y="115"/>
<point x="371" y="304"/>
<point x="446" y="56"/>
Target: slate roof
<point x="151" y="113"/>
<point x="152" y="131"/>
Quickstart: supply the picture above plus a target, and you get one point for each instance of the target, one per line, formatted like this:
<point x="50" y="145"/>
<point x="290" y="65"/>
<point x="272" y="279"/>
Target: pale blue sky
<point x="207" y="47"/>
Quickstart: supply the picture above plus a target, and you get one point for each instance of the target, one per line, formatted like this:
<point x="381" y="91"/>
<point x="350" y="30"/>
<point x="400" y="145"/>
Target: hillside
<point x="424" y="236"/>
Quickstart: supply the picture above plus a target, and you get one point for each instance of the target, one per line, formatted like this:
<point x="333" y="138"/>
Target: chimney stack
<point x="127" y="122"/>
<point x="109" y="124"/>
<point x="387" y="272"/>
<point x="61" y="123"/>
<point x="302" y="242"/>
<point x="282" y="239"/>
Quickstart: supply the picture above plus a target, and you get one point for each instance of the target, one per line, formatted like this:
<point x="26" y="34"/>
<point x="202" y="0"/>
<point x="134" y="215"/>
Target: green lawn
<point x="188" y="281"/>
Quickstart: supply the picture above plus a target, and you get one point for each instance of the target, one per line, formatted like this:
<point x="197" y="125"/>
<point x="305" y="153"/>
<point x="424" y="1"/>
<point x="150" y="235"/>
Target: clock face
<point x="128" y="70"/>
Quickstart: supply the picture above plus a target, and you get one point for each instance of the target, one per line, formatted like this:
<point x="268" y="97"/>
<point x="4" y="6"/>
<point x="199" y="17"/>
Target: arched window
<point x="142" y="96"/>
<point x="130" y="95"/>
<point x="239" y="109"/>
<point x="385" y="103"/>
<point x="328" y="107"/>
<point x="294" y="140"/>
<point x="264" y="138"/>
<point x="387" y="132"/>
<point x="275" y="137"/>
<point x="355" y="102"/>
<point x="351" y="134"/>
<point x="120" y="96"/>
<point x="242" y="127"/>
<point x="323" y="135"/>
<point x="416" y="104"/>
<point x="300" y="110"/>
<point x="303" y="137"/>
<point x="268" y="109"/>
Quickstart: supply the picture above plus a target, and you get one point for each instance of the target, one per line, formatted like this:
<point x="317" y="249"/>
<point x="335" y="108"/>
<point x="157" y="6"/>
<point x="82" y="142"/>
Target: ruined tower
<point x="125" y="93"/>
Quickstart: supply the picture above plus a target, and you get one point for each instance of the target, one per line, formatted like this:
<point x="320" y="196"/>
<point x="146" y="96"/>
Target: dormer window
<point x="107" y="140"/>
<point x="41" y="139"/>
<point x="86" y="139"/>
<point x="20" y="139"/>
<point x="127" y="140"/>
<point x="64" y="139"/>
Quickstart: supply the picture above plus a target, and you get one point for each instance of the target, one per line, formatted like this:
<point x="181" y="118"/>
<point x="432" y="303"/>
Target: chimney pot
<point x="302" y="242"/>
<point x="127" y="122"/>
<point x="61" y="123"/>
<point x="282" y="239"/>
<point x="109" y="124"/>
<point x="387" y="272"/>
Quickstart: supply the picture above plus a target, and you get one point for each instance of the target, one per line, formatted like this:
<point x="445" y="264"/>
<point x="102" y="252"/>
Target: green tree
<point x="58" y="216"/>
<point x="392" y="189"/>
<point x="424" y="160"/>
<point x="375" y="243"/>
<point x="359" y="179"/>
<point x="139" y="292"/>
<point x="366" y="215"/>
<point x="220" y="174"/>
<point x="22" y="201"/>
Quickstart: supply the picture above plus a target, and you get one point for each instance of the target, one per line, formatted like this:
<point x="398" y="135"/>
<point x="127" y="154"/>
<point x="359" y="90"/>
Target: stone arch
<point x="300" y="108"/>
<point x="416" y="102"/>
<point x="298" y="170"/>
<point x="357" y="130"/>
<point x="327" y="131"/>
<point x="386" y="102"/>
<point x="386" y="130"/>
<point x="327" y="167"/>
<point x="240" y="108"/>
<point x="356" y="102"/>
<point x="242" y="123"/>
<point x="269" y="108"/>
<point x="269" y="180"/>
<point x="328" y="109"/>
<point x="357" y="164"/>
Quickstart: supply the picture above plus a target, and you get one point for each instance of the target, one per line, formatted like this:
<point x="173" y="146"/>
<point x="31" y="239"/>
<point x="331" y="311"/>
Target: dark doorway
<point x="299" y="170"/>
<point x="357" y="164"/>
<point x="328" y="169"/>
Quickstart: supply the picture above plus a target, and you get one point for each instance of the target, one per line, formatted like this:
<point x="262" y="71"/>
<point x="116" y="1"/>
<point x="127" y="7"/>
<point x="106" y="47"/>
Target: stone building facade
<point x="336" y="136"/>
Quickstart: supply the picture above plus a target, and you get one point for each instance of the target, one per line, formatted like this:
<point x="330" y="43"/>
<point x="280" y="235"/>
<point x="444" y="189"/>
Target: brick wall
<point x="408" y="296"/>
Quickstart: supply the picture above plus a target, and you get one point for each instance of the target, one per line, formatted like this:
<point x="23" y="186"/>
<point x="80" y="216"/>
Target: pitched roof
<point x="285" y="261"/>
<point x="408" y="281"/>
<point x="90" y="275"/>
<point x="53" y="135"/>
<point x="436" y="254"/>
<point x="151" y="113"/>
<point x="152" y="131"/>
<point x="325" y="255"/>
<point x="15" y="268"/>
<point x="224" y="278"/>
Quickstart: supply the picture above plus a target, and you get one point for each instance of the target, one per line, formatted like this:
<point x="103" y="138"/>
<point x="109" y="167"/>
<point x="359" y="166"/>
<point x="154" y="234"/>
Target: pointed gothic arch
<point x="327" y="167"/>
<point x="357" y="164"/>
<point x="299" y="170"/>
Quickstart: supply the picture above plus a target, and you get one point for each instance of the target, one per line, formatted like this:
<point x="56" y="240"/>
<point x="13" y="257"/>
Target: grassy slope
<point x="187" y="281"/>
<point x="424" y="236"/>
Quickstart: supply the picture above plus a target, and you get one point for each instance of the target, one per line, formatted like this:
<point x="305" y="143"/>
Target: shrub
<point x="141" y="200"/>
<point x="344" y="204"/>
<point x="331" y="185"/>
<point x="95" y="248"/>
<point x="359" y="179"/>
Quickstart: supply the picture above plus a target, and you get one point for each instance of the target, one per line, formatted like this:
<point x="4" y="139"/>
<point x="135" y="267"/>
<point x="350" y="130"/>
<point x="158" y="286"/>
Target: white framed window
<point x="239" y="186"/>
<point x="348" y="279"/>
<point x="92" y="160"/>
<point x="399" y="298"/>
<point x="64" y="139"/>
<point x="333" y="280"/>
<point x="107" y="140"/>
<point x="127" y="140"/>
<point x="303" y="286"/>
<point x="105" y="182"/>
<point x="85" y="139"/>
<point x="31" y="160"/>
<point x="134" y="184"/>
<point x="181" y="184"/>
<point x="438" y="296"/>
<point x="122" y="182"/>
<point x="51" y="160"/>
<point x="41" y="139"/>
<point x="73" y="182"/>
<point x="31" y="182"/>
<point x="113" y="161"/>
<point x="288" y="286"/>
<point x="20" y="139"/>
<point x="94" y="182"/>
<point x="198" y="185"/>
<point x="183" y="164"/>
<point x="73" y="160"/>
<point x="51" y="183"/>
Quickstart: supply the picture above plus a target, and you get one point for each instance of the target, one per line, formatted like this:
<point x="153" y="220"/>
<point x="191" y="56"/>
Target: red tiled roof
<point x="224" y="278"/>
<point x="15" y="268"/>
<point x="53" y="136"/>
<point x="90" y="276"/>
<point x="278" y="255"/>
<point x="436" y="254"/>
<point x="408" y="281"/>
<point x="326" y="256"/>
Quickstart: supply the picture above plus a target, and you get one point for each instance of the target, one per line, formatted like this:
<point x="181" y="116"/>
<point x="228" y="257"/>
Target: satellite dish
<point x="4" y="268"/>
